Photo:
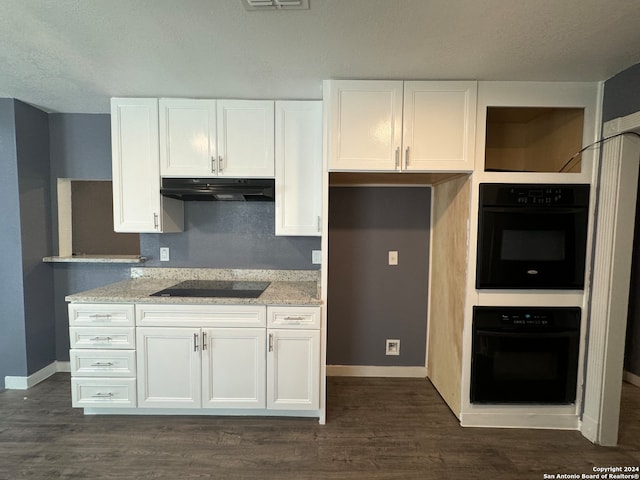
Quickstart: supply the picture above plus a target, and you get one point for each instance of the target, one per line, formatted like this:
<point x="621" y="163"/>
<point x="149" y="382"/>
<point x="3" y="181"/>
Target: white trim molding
<point x="631" y="378"/>
<point x="615" y="220"/>
<point x="25" y="383"/>
<point x="375" y="371"/>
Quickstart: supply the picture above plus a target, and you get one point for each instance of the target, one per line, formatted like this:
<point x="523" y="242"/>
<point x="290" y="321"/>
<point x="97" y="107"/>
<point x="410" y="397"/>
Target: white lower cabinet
<point x="168" y="367"/>
<point x="224" y="357"/>
<point x="103" y="392"/>
<point x="293" y="358"/>
<point x="102" y="355"/>
<point x="293" y="370"/>
<point x="233" y="368"/>
<point x="201" y="368"/>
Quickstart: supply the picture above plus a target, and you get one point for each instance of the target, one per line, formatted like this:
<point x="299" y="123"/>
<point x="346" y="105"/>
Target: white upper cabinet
<point x="188" y="137"/>
<point x="205" y="138"/>
<point x="439" y="126"/>
<point x="365" y="124"/>
<point x="397" y="126"/>
<point x="245" y="138"/>
<point x="137" y="204"/>
<point x="298" y="179"/>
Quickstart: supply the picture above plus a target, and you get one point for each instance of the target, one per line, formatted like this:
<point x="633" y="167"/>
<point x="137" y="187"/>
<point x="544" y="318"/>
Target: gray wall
<point x="26" y="296"/>
<point x="80" y="148"/>
<point x="32" y="142"/>
<point x="621" y="98"/>
<point x="230" y="235"/>
<point x="13" y="357"/>
<point x="370" y="301"/>
<point x="622" y="94"/>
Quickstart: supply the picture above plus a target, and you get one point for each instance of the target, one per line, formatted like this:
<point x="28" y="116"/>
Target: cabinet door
<point x="298" y="167"/>
<point x="365" y="125"/>
<point x="245" y="138"/>
<point x="137" y="204"/>
<point x="293" y="370"/>
<point x="439" y="126"/>
<point x="168" y="367"/>
<point x="233" y="368"/>
<point x="187" y="137"/>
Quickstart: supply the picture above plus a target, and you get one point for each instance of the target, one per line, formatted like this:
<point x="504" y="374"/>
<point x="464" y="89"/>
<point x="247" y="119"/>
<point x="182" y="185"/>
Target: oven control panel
<point x="534" y="195"/>
<point x="526" y="319"/>
<point x="521" y="318"/>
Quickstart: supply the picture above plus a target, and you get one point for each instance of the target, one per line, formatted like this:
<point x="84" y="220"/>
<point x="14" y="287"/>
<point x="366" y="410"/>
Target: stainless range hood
<point x="226" y="189"/>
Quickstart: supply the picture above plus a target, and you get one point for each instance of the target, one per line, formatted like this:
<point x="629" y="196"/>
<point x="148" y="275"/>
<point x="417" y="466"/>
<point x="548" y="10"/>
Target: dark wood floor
<point x="376" y="429"/>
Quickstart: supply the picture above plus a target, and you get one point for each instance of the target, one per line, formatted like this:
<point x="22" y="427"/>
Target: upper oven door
<point x="531" y="247"/>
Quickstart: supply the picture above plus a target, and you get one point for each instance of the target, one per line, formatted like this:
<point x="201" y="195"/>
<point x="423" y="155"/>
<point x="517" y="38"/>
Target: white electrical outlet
<point x="164" y="254"/>
<point x="316" y="257"/>
<point x="393" y="257"/>
<point x="393" y="347"/>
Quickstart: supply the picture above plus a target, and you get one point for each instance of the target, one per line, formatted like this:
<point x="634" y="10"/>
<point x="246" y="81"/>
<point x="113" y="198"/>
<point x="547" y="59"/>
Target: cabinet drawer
<point x="103" y="363"/>
<point x="97" y="314"/>
<point x="293" y="317"/>
<point x="196" y="316"/>
<point x="103" y="392"/>
<point x="102" y="337"/>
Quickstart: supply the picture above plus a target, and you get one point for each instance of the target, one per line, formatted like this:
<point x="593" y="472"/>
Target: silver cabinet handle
<point x="220" y="164"/>
<point x="195" y="342"/>
<point x="406" y="158"/>
<point x="103" y="395"/>
<point x="294" y="318"/>
<point x="102" y="364"/>
<point x="155" y="221"/>
<point x="100" y="316"/>
<point x="213" y="164"/>
<point x="271" y="342"/>
<point x="101" y="339"/>
<point x="397" y="157"/>
<point x="204" y="340"/>
<point x="319" y="223"/>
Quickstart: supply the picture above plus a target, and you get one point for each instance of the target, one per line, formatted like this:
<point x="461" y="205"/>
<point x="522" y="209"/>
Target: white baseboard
<point x="24" y="383"/>
<point x="517" y="420"/>
<point x="375" y="371"/>
<point x="631" y="378"/>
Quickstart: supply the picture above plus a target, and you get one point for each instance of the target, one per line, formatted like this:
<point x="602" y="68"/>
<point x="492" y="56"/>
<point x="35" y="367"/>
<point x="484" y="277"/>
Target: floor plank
<point x="376" y="429"/>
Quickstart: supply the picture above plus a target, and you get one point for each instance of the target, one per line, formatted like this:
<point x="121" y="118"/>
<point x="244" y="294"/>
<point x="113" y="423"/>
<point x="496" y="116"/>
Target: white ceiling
<point x="72" y="55"/>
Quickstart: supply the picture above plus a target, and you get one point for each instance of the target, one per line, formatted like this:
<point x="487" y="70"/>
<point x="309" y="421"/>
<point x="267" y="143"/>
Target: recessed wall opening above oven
<point x="532" y="236"/>
<point x="534" y="139"/>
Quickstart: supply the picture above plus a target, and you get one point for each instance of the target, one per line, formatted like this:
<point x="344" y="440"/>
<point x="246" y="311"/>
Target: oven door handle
<point x="494" y="333"/>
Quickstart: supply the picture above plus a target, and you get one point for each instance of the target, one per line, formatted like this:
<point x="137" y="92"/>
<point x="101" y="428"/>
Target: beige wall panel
<point x="448" y="281"/>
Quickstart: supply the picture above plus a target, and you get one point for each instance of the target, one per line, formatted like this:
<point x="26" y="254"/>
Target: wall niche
<point x="534" y="139"/>
<point x="85" y="224"/>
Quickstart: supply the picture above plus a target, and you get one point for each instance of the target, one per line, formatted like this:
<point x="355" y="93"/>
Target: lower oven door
<point x="524" y="365"/>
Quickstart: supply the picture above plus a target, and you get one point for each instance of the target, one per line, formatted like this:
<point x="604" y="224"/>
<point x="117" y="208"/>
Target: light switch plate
<point x="164" y="254"/>
<point x="316" y="257"/>
<point x="393" y="257"/>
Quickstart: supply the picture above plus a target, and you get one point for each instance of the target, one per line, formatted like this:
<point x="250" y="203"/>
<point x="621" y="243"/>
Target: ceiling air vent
<point x="256" y="5"/>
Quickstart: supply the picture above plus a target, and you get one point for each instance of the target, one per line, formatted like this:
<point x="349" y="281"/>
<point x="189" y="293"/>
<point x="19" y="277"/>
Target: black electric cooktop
<point x="214" y="288"/>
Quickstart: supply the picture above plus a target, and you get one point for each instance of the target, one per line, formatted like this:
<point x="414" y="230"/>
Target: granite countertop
<point x="284" y="289"/>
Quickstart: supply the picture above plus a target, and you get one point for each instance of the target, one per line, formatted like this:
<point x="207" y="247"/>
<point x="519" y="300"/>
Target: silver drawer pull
<point x="102" y="364"/>
<point x="101" y="339"/>
<point x="294" y="319"/>
<point x="102" y="395"/>
<point x="100" y="316"/>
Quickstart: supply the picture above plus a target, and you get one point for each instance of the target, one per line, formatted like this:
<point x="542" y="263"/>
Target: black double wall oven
<point x="530" y="237"/>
